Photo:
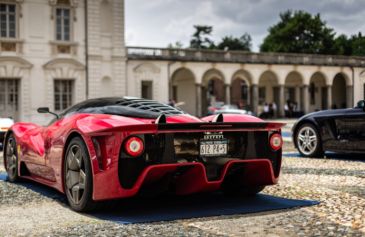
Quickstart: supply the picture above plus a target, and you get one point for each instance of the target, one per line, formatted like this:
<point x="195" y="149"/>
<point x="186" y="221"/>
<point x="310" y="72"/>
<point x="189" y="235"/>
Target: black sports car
<point x="337" y="130"/>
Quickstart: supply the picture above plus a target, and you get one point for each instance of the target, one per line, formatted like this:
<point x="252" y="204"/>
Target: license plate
<point x="213" y="148"/>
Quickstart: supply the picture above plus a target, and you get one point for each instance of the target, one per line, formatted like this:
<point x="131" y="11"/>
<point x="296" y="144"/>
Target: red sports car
<point x="111" y="148"/>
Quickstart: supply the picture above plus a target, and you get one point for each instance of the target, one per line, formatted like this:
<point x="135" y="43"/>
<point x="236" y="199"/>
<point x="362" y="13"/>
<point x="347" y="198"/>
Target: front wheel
<point x="308" y="141"/>
<point x="78" y="176"/>
<point x="11" y="159"/>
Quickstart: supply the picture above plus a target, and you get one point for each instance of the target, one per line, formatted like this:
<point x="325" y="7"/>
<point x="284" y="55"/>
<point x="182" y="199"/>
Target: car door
<point x="33" y="148"/>
<point x="351" y="129"/>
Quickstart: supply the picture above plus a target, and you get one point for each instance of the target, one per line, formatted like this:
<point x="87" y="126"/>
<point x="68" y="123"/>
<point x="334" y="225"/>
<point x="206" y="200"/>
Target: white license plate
<point x="213" y="148"/>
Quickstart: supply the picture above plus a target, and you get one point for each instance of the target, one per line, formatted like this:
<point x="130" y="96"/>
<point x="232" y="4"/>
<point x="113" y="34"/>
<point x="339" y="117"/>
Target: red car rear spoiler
<point x="222" y="125"/>
<point x="194" y="127"/>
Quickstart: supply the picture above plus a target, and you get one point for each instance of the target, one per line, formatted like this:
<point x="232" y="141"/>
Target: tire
<point x="308" y="141"/>
<point x="78" y="177"/>
<point x="11" y="159"/>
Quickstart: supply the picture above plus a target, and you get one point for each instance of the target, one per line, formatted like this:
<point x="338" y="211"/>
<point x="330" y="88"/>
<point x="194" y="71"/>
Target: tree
<point x="176" y="45"/>
<point x="299" y="32"/>
<point x="342" y="45"/>
<point x="201" y="37"/>
<point x="232" y="43"/>
<point x="357" y="43"/>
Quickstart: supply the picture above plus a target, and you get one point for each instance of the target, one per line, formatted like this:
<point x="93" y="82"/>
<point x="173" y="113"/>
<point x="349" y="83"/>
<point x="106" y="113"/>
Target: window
<point x="63" y="24"/>
<point x="147" y="90"/>
<point x="9" y="96"/>
<point x="63" y="94"/>
<point x="8" y="20"/>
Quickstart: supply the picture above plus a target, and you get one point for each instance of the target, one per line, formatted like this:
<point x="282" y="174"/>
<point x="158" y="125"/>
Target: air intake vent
<point x="218" y="119"/>
<point x="161" y="119"/>
<point x="148" y="105"/>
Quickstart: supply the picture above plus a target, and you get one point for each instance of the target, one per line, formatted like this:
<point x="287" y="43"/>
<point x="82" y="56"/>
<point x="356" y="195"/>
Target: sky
<point x="156" y="23"/>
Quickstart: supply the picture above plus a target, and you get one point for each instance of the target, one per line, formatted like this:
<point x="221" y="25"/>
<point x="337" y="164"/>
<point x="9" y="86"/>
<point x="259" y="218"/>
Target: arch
<point x="339" y="91"/>
<point x="146" y="67"/>
<point x="183" y="89"/>
<point x="54" y="63"/>
<point x="241" y="82"/>
<point x="318" y="94"/>
<point x="293" y="83"/>
<point x="106" y="86"/>
<point x="64" y="68"/>
<point x="15" y="83"/>
<point x="213" y="88"/>
<point x="243" y="75"/>
<point x="212" y="74"/>
<point x="63" y="2"/>
<point x="11" y="67"/>
<point x="106" y="17"/>
<point x="268" y="88"/>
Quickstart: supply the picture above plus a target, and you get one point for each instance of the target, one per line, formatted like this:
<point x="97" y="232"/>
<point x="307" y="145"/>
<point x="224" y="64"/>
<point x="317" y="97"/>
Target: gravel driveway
<point x="339" y="185"/>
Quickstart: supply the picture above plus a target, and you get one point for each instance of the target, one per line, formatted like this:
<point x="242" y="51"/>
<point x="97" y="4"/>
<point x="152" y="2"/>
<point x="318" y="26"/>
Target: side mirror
<point x="361" y="104"/>
<point x="45" y="110"/>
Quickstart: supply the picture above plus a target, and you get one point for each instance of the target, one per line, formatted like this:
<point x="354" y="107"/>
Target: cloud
<point x="159" y="22"/>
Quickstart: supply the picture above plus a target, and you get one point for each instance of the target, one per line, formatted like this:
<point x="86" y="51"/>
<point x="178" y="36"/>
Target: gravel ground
<point x="338" y="184"/>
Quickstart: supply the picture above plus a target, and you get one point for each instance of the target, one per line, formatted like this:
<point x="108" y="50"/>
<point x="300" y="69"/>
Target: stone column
<point x="198" y="89"/>
<point x="281" y="100"/>
<point x="305" y="99"/>
<point x="228" y="93"/>
<point x="298" y="98"/>
<point x="349" y="96"/>
<point x="170" y="90"/>
<point x="329" y="96"/>
<point x="255" y="98"/>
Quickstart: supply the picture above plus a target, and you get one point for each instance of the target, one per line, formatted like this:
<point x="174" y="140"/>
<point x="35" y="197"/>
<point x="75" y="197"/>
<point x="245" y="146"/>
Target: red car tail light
<point x="134" y="146"/>
<point x="276" y="141"/>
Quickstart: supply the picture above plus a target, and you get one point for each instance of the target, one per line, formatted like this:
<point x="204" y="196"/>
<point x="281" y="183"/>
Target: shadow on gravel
<point x="330" y="155"/>
<point x="169" y="208"/>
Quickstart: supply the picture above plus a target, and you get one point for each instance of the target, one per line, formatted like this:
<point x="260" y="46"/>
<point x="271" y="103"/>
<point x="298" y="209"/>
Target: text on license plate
<point x="213" y="148"/>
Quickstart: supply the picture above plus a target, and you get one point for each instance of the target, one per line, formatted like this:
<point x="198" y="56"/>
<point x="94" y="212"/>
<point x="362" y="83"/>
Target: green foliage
<point x="299" y="32"/>
<point x="296" y="32"/>
<point x="201" y="37"/>
<point x="232" y="43"/>
<point x="343" y="45"/>
<point x="176" y="45"/>
<point x="357" y="44"/>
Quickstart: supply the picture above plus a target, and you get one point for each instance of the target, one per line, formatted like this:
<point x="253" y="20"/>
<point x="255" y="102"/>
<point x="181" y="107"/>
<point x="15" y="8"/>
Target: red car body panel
<point x="42" y="150"/>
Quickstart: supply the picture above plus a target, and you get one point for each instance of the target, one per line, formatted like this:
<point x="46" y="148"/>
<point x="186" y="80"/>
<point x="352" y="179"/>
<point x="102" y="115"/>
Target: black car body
<point x="337" y="130"/>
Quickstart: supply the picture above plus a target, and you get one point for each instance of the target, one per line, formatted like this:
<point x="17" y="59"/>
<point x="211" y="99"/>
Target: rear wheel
<point x="308" y="141"/>
<point x="11" y="159"/>
<point x="78" y="176"/>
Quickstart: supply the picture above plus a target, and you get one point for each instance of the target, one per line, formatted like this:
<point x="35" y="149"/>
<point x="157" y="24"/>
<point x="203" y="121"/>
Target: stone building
<point x="58" y="52"/>
<point x="314" y="82"/>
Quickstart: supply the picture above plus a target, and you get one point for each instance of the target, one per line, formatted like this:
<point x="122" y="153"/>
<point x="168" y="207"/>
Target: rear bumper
<point x="186" y="178"/>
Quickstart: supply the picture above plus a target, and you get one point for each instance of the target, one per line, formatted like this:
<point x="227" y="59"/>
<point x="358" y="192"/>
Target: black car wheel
<point x="78" y="176"/>
<point x="11" y="159"/>
<point x="308" y="141"/>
